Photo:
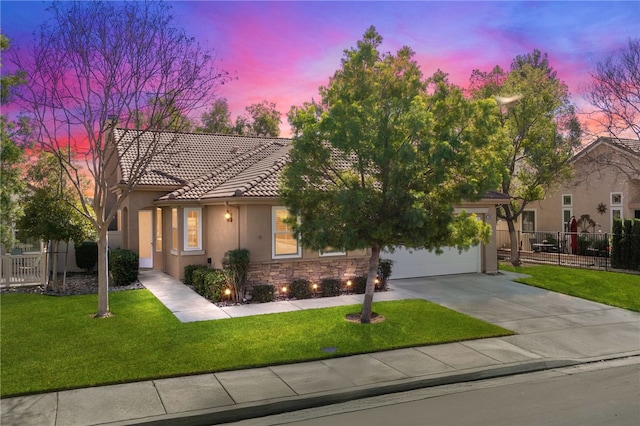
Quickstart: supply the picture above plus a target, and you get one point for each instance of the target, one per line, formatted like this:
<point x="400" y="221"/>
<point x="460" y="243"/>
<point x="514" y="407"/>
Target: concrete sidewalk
<point x="553" y="330"/>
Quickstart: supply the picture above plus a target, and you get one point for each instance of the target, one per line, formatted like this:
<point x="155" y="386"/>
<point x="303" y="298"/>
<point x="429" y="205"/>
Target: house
<point x="206" y="194"/>
<point x="605" y="186"/>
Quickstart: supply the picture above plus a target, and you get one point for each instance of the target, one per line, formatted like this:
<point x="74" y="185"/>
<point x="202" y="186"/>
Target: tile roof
<point x="632" y="145"/>
<point x="182" y="157"/>
<point x="205" y="166"/>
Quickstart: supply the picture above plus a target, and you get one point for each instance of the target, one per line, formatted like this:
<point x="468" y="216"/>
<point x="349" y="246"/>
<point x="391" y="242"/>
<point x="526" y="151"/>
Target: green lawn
<point x="611" y="288"/>
<point x="51" y="343"/>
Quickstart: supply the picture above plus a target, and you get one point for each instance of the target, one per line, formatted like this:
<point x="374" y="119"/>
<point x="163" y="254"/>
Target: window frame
<point x="158" y="231"/>
<point x="616" y="194"/>
<point x="331" y="253"/>
<point x="185" y="216"/>
<point x="274" y="255"/>
<point x="174" y="229"/>
<point x="570" y="204"/>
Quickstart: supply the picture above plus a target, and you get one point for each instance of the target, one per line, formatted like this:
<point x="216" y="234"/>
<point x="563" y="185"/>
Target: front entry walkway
<point x="184" y="303"/>
<point x="189" y="306"/>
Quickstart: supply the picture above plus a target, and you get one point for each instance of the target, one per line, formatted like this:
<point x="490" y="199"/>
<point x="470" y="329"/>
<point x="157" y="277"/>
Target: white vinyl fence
<point x="23" y="269"/>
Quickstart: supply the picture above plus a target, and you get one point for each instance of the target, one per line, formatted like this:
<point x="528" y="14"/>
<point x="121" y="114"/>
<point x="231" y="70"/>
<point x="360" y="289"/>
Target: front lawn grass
<point x="611" y="288"/>
<point x="52" y="343"/>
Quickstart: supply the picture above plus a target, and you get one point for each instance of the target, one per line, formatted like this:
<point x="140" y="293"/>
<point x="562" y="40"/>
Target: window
<point x="616" y="198"/>
<point x="567" y="200"/>
<point x="284" y="243"/>
<point x="158" y="229"/>
<point x="529" y="221"/>
<point x="193" y="228"/>
<point x="174" y="229"/>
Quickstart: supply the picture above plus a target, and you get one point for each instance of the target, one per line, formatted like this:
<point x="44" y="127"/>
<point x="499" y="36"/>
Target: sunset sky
<point x="283" y="51"/>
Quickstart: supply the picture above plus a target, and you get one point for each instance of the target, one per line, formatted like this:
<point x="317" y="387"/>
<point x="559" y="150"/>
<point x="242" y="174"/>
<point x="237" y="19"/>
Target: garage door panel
<point x="410" y="263"/>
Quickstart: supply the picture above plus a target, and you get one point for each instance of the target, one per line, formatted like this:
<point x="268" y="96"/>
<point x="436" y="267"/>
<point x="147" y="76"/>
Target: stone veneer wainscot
<point x="280" y="273"/>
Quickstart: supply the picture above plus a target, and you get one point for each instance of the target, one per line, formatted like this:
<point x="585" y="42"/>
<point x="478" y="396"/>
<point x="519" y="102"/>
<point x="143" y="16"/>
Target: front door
<point x="145" y="238"/>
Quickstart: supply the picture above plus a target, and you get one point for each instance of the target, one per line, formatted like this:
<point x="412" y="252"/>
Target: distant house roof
<point x="631" y="146"/>
<point x="202" y="166"/>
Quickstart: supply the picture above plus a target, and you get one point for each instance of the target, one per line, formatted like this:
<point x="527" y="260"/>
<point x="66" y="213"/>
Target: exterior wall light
<point x="228" y="217"/>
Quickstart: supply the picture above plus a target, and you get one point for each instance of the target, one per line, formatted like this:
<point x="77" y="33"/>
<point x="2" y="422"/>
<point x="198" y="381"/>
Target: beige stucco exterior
<point x="592" y="185"/>
<point x="250" y="228"/>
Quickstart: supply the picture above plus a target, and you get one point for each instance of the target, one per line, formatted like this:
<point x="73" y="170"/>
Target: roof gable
<point x="622" y="146"/>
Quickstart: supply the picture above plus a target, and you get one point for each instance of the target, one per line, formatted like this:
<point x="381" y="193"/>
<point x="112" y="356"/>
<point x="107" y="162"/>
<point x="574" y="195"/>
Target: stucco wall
<point x="589" y="187"/>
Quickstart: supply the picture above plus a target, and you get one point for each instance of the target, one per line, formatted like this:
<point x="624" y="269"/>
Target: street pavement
<point x="553" y="331"/>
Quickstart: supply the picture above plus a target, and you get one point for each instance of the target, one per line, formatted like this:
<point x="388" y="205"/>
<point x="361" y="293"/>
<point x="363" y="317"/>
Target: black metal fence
<point x="583" y="250"/>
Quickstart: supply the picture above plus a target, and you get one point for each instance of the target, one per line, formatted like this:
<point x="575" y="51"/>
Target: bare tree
<point x="93" y="64"/>
<point x="615" y="92"/>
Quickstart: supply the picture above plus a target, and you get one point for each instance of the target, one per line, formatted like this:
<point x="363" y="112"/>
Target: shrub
<point x="188" y="273"/>
<point x="262" y="293"/>
<point x="301" y="289"/>
<point x="584" y="242"/>
<point x="635" y="245"/>
<point x="123" y="265"/>
<point x="331" y="287"/>
<point x="384" y="272"/>
<point x="216" y="282"/>
<point x="198" y="281"/>
<point x="360" y="284"/>
<point x="87" y="255"/>
<point x="616" y="246"/>
<point x="210" y="283"/>
<point x="236" y="264"/>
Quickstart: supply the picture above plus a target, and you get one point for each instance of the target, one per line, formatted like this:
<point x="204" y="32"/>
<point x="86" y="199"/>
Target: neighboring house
<point x="605" y="186"/>
<point x="216" y="193"/>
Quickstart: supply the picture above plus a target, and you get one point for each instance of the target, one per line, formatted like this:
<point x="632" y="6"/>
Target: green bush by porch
<point x="62" y="347"/>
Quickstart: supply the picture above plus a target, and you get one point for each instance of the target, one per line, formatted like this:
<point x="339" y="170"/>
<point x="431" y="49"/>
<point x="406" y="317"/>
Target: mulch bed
<point x="77" y="283"/>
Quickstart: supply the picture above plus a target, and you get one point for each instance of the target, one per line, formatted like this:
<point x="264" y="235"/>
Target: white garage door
<point x="423" y="263"/>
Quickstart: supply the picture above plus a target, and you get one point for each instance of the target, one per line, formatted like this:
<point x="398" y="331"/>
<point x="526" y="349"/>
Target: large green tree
<point x="541" y="127"/>
<point x="385" y="155"/>
<point x="94" y="65"/>
<point x="11" y="157"/>
<point x="217" y="119"/>
<point x="261" y="119"/>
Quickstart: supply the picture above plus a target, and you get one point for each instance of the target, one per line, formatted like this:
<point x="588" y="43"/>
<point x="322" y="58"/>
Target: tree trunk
<point x="56" y="246"/>
<point x="365" y="316"/>
<point x="515" y="247"/>
<point x="103" y="274"/>
<point x="64" y="269"/>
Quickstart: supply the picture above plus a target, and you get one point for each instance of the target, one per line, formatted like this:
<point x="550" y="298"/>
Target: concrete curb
<point x="238" y="412"/>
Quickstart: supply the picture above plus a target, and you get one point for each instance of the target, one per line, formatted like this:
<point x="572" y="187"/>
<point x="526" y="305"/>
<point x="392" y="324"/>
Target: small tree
<point x="236" y="266"/>
<point x="95" y="64"/>
<point x="381" y="160"/>
<point x="52" y="209"/>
